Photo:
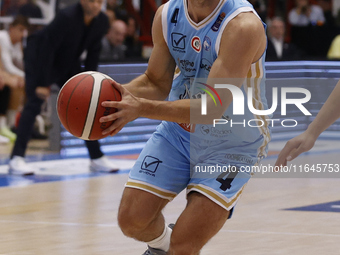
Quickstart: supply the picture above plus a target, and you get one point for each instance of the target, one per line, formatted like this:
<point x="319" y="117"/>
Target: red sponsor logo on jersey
<point x="196" y="44"/>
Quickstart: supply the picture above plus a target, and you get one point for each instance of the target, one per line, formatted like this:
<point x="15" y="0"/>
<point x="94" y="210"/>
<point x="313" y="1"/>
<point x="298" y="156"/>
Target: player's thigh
<point x="162" y="168"/>
<point x="139" y="208"/>
<point x="161" y="171"/>
<point x="199" y="222"/>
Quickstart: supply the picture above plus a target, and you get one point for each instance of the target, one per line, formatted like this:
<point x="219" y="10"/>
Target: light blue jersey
<point x="195" y="48"/>
<point x="177" y="155"/>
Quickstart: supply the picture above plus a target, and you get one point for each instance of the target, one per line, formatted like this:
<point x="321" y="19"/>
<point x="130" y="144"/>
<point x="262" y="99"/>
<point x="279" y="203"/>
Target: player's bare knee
<point x="133" y="220"/>
<point x="138" y="209"/>
<point x="129" y="221"/>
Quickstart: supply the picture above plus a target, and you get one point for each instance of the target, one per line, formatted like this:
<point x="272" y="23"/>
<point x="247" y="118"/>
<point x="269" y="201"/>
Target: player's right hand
<point x="294" y="147"/>
<point x="42" y="92"/>
<point x="128" y="109"/>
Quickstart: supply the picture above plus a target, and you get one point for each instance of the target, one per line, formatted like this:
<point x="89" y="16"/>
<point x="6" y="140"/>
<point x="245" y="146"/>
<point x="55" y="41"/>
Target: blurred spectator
<point x="4" y="100"/>
<point x="277" y="48"/>
<point x="334" y="50"/>
<point x="132" y="43"/>
<point x="337" y="18"/>
<point x="7" y="81"/>
<point x="260" y="8"/>
<point x="111" y="15"/>
<point x="11" y="8"/>
<point x="309" y="30"/>
<point x="52" y="56"/>
<point x="304" y="14"/>
<point x="30" y="9"/>
<point x="113" y="48"/>
<point x="11" y="53"/>
<point x="326" y="6"/>
<point x="11" y="44"/>
<point x="331" y="29"/>
<point x="113" y="5"/>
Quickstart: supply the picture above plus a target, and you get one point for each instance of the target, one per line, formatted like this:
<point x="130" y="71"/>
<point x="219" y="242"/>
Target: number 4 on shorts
<point x="226" y="183"/>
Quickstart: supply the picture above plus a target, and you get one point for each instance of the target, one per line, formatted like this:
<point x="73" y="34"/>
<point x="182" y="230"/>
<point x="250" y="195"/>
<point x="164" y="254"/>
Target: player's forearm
<point x="328" y="114"/>
<point x="143" y="87"/>
<point x="180" y="111"/>
<point x="166" y="110"/>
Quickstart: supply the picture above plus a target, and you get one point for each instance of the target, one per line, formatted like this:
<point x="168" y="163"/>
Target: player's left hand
<point x="128" y="109"/>
<point x="294" y="147"/>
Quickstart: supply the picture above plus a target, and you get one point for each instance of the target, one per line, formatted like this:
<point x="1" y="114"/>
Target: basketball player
<point x="304" y="142"/>
<point x="206" y="39"/>
<point x="53" y="56"/>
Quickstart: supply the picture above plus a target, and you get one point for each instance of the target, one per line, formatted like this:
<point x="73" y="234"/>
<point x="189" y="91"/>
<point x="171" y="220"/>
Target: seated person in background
<point x="132" y="43"/>
<point x="113" y="48"/>
<point x="52" y="56"/>
<point x="277" y="48"/>
<point x="11" y="52"/>
<point x="304" y="14"/>
<point x="7" y="81"/>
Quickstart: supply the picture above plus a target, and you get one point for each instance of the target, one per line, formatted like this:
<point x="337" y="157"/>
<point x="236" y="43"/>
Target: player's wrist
<point x="313" y="131"/>
<point x="144" y="106"/>
<point x="151" y="109"/>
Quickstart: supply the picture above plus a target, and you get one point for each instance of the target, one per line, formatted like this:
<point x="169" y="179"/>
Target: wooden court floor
<point x="79" y="217"/>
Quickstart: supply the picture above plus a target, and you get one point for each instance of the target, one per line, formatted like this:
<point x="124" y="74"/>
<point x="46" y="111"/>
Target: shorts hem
<point x="226" y="203"/>
<point x="159" y="192"/>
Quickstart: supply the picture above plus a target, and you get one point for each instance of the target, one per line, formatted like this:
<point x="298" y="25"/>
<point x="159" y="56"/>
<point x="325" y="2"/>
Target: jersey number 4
<point x="174" y="17"/>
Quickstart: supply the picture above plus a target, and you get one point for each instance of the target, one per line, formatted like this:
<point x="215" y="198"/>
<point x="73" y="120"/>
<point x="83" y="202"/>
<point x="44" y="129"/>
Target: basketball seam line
<point x="68" y="103"/>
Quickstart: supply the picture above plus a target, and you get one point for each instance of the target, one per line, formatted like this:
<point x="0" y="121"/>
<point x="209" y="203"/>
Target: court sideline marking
<point x="114" y="225"/>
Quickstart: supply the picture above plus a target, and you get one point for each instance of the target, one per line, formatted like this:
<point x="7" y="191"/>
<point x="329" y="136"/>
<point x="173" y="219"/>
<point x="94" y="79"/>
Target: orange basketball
<point x="79" y="104"/>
